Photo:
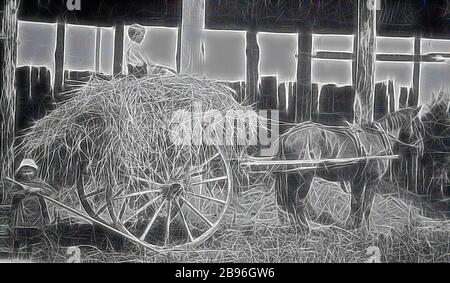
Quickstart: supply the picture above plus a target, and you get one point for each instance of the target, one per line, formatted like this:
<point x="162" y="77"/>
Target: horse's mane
<point x="399" y="119"/>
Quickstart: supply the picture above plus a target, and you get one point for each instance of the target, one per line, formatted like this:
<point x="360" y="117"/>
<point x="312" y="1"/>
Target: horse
<point x="311" y="141"/>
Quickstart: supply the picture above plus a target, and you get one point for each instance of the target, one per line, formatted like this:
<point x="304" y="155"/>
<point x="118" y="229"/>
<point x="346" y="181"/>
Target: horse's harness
<point x="353" y="133"/>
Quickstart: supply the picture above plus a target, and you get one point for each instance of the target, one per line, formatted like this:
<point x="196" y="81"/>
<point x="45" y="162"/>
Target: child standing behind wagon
<point x="28" y="207"/>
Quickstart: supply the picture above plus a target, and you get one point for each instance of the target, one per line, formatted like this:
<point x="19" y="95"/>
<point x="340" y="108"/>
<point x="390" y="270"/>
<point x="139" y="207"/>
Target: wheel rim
<point x="91" y="193"/>
<point x="178" y="205"/>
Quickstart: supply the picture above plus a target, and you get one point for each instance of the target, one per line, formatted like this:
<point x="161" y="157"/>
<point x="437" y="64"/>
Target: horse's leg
<point x="281" y="181"/>
<point x="299" y="186"/>
<point x="356" y="213"/>
<point x="292" y="192"/>
<point x="369" y="194"/>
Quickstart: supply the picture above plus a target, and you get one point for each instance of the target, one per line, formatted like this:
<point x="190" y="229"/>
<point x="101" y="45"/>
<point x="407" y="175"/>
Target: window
<point x="80" y="48"/>
<point x="37" y="45"/>
<point x="332" y="78"/>
<point x="395" y="45"/>
<point x="434" y="76"/>
<point x="332" y="43"/>
<point x="332" y="62"/>
<point x="390" y="68"/>
<point x="106" y="60"/>
<point x="278" y="55"/>
<point x="225" y="55"/>
<point x="89" y="48"/>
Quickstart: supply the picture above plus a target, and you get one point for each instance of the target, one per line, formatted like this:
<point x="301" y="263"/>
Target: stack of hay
<point x="436" y="159"/>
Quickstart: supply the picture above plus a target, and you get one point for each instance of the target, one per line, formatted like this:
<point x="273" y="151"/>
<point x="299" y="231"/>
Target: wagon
<point x="181" y="207"/>
<point x="170" y="197"/>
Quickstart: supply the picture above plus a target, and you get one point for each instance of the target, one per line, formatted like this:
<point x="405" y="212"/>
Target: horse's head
<point x="404" y="126"/>
<point x="399" y="121"/>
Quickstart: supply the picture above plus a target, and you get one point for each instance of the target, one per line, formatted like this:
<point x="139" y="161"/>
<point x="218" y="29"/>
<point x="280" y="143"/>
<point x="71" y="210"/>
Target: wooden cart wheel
<point x="176" y="203"/>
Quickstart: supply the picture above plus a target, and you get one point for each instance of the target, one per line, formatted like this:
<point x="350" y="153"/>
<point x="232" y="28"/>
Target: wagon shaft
<point x="97" y="222"/>
<point x="306" y="165"/>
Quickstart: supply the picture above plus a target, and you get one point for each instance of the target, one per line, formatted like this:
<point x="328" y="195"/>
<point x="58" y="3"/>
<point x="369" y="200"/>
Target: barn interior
<point x="320" y="61"/>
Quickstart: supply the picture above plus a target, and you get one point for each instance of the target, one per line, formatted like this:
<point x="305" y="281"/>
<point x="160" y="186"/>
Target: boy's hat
<point x="28" y="163"/>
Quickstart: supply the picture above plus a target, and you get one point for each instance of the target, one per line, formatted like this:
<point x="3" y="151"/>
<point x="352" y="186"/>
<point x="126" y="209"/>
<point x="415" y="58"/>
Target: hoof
<point x="302" y="224"/>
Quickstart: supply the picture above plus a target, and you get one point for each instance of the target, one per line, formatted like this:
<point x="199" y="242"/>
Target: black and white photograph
<point x="224" y="131"/>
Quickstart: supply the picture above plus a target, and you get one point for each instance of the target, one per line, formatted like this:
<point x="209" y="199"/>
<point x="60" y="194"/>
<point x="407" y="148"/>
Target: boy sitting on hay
<point x="138" y="63"/>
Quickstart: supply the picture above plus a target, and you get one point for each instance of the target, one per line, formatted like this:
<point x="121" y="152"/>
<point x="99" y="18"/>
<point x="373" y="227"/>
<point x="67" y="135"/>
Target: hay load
<point x="120" y="126"/>
<point x="436" y="158"/>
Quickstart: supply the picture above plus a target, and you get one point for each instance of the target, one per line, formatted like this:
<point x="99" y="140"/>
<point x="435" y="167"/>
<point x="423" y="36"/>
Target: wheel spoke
<point x="118" y="193"/>
<point x="101" y="209"/>
<point x="137" y="194"/>
<point x="143" y="208"/>
<point x="198" y="213"/>
<point x="176" y="170"/>
<point x="150" y="224"/>
<point x="209" y="181"/>
<point x="206" y="198"/>
<point x="184" y="222"/>
<point x="94" y="193"/>
<point x="169" y="210"/>
<point x="211" y="159"/>
<point x="152" y="182"/>
<point x="208" y="161"/>
<point x="122" y="209"/>
<point x="199" y="173"/>
<point x="164" y="164"/>
<point x="157" y="185"/>
<point x="213" y="189"/>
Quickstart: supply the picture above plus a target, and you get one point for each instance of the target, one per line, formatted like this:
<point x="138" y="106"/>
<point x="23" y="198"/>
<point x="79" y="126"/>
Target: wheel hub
<point x="173" y="191"/>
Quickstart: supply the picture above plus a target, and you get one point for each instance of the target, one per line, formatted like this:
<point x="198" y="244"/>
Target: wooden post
<point x="365" y="59"/>
<point x="304" y="85"/>
<point x="118" y="49"/>
<point x="403" y="97"/>
<point x="252" y="78"/>
<point x="412" y="159"/>
<point x="380" y="100"/>
<point x="8" y="95"/>
<point x="59" y="57"/>
<point x="315" y="102"/>
<point x="283" y="91"/>
<point x="98" y="41"/>
<point x="391" y="96"/>
<point x="192" y="27"/>
<point x="292" y="102"/>
<point x="414" y="98"/>
<point x="303" y="105"/>
<point x="268" y="97"/>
